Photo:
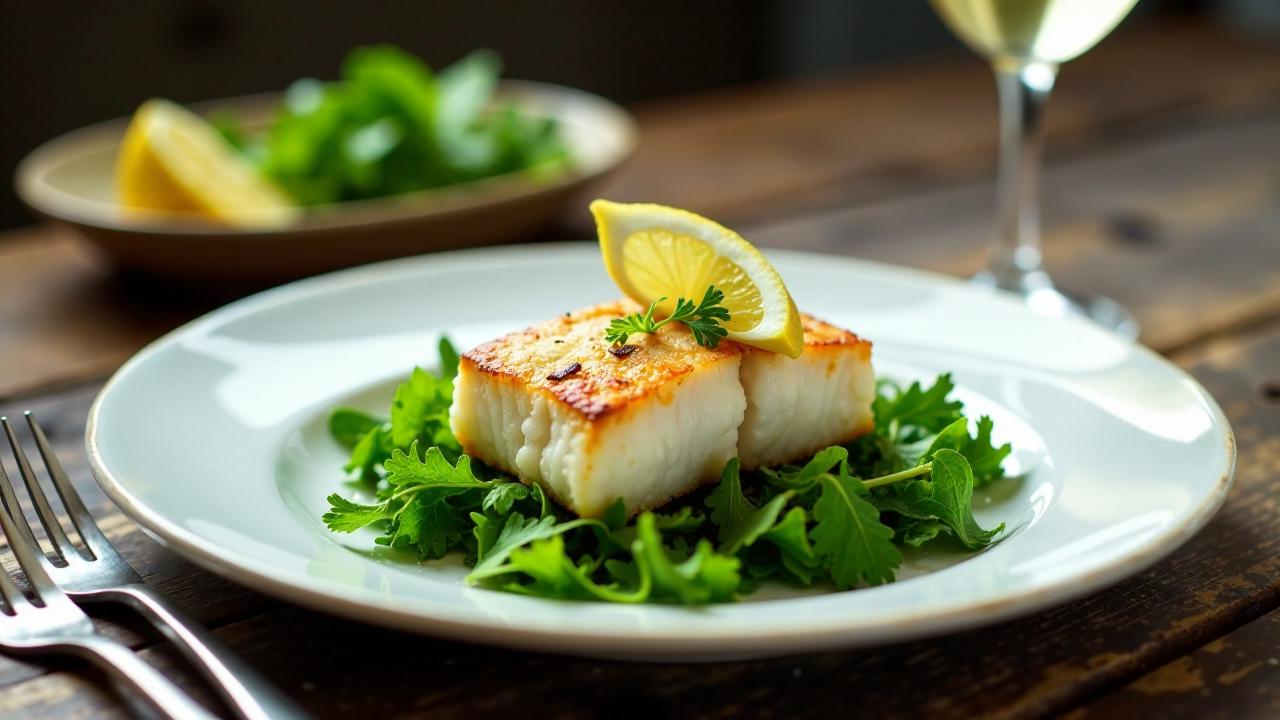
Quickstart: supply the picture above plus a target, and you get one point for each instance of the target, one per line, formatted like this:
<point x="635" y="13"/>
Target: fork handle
<point x="247" y="693"/>
<point x="130" y="670"/>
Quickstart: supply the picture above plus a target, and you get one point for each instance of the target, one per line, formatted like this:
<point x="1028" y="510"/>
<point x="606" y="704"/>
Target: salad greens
<point x="391" y="126"/>
<point x="838" y="519"/>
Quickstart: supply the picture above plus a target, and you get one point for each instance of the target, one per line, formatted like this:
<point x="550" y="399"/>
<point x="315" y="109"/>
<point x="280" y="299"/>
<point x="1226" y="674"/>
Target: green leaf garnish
<point x="739" y="521"/>
<point x="703" y="320"/>
<point x="913" y="414"/>
<point x="704" y="576"/>
<point x="421" y="411"/>
<point x="984" y="458"/>
<point x="848" y="536"/>
<point x="951" y="499"/>
<point x="349" y="426"/>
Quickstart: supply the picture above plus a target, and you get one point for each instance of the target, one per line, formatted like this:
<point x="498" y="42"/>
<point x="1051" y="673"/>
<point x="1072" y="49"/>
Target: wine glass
<point x="1026" y="40"/>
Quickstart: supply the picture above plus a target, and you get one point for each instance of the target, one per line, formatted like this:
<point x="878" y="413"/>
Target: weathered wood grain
<point x="748" y="153"/>
<point x="1237" y="676"/>
<point x="1226" y="576"/>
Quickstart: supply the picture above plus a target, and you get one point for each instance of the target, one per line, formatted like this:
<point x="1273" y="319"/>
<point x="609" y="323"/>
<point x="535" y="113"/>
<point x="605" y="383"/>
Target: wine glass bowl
<point x="1050" y="31"/>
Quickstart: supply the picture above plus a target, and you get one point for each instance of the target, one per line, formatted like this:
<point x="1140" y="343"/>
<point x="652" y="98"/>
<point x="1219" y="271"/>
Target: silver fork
<point x="57" y="625"/>
<point x="104" y="576"/>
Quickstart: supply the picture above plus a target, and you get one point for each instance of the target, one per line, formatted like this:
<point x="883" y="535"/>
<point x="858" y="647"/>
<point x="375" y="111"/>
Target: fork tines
<point x="79" y="515"/>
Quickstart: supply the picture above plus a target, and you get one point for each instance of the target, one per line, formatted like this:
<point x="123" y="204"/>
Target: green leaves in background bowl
<point x="392" y="126"/>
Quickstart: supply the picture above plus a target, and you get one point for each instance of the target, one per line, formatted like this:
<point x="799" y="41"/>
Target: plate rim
<point x="646" y="644"/>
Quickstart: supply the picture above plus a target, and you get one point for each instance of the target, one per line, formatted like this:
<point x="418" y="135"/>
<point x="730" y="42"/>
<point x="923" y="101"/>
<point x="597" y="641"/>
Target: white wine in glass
<point x="1025" y="40"/>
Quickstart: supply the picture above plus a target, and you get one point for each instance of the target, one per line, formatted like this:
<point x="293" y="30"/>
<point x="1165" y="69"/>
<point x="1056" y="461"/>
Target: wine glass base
<point x="1049" y="301"/>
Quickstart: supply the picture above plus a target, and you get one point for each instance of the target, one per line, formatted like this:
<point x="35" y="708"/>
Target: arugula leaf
<point x="429" y="524"/>
<point x="912" y="414"/>
<point x="493" y="549"/>
<point x="738" y="521"/>
<point x="615" y="516"/>
<point x="705" y="576"/>
<point x="877" y="454"/>
<point x="431" y="471"/>
<point x="902" y="498"/>
<point x="503" y="496"/>
<point x="916" y="532"/>
<point x="554" y="575"/>
<point x="418" y="504"/>
<point x="485" y="528"/>
<point x="536" y="494"/>
<point x="984" y="458"/>
<point x="952" y="497"/>
<point x="804" y="477"/>
<point x="449" y="359"/>
<point x="369" y="452"/>
<point x="683" y="520"/>
<point x="791" y="536"/>
<point x="947" y="496"/>
<point x="348" y="516"/>
<point x="848" y="536"/>
<point x="756" y="525"/>
<point x="730" y="509"/>
<point x="349" y="426"/>
<point x="420" y="412"/>
<point x="680" y="522"/>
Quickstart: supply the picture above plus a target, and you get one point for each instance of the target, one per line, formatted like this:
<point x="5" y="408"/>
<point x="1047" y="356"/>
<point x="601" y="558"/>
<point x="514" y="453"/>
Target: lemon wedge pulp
<point x="172" y="161"/>
<point x="655" y="251"/>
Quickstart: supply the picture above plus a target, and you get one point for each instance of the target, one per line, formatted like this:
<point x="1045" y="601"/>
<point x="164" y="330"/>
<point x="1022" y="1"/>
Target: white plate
<point x="214" y="439"/>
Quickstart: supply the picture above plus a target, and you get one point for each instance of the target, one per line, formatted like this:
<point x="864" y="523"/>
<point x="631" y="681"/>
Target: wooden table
<point x="1162" y="191"/>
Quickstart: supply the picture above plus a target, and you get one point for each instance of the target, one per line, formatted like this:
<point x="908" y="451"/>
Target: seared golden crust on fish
<point x="819" y="333"/>
<point x="604" y="382"/>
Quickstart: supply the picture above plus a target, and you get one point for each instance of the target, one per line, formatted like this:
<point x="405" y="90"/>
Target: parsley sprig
<point x="839" y="519"/>
<point x="704" y="319"/>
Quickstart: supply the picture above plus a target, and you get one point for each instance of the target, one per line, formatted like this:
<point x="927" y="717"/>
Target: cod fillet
<point x="555" y="405"/>
<point x="552" y="405"/>
<point x="797" y="406"/>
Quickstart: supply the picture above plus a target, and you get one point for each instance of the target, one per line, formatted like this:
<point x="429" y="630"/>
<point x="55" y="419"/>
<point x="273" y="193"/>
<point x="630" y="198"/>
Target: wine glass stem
<point x="1024" y="88"/>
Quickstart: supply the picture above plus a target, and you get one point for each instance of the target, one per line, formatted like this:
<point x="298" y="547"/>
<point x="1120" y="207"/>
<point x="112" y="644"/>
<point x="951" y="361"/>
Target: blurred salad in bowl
<point x="389" y="127"/>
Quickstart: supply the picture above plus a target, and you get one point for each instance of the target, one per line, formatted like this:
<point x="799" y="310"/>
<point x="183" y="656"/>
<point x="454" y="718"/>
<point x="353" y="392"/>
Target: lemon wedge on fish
<point x="655" y="251"/>
<point x="173" y="162"/>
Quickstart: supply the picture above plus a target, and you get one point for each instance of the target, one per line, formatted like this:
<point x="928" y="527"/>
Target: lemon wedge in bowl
<point x="655" y="251"/>
<point x="172" y="161"/>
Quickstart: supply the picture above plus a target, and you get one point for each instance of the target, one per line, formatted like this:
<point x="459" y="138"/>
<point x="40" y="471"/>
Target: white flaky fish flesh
<point x="557" y="405"/>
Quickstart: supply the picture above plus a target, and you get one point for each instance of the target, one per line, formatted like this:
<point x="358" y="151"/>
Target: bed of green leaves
<point x="837" y="520"/>
<point x="391" y="126"/>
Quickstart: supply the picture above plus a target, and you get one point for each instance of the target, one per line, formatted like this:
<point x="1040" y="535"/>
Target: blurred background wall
<point x="68" y="64"/>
